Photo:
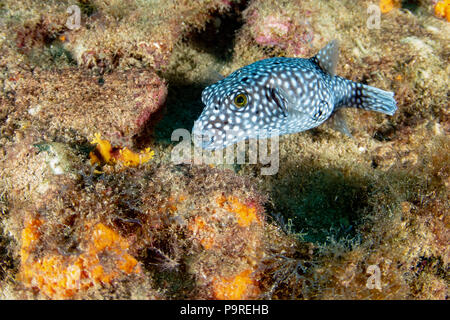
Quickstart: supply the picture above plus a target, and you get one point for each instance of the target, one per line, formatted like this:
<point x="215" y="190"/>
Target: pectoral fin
<point x="280" y="98"/>
<point x="337" y="122"/>
<point x="285" y="104"/>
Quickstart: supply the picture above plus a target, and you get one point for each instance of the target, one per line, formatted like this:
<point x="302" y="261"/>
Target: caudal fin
<point x="370" y="98"/>
<point x="358" y="95"/>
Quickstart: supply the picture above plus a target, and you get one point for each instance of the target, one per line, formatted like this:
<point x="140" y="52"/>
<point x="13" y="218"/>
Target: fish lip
<point x="203" y="138"/>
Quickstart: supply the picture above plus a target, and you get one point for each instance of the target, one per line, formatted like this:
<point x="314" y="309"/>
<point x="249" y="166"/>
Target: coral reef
<point x="108" y="34"/>
<point x="59" y="102"/>
<point x="91" y="206"/>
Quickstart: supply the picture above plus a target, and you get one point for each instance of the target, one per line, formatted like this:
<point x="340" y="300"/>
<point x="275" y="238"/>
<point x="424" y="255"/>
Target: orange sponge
<point x="388" y="5"/>
<point x="60" y="276"/>
<point x="105" y="153"/>
<point x="442" y="9"/>
<point x="241" y="286"/>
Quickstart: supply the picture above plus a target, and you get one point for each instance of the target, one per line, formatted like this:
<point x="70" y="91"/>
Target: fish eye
<point x="240" y="100"/>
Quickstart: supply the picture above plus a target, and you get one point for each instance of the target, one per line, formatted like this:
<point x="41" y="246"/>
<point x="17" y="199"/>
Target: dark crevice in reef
<point x="218" y="36"/>
<point x="8" y="264"/>
<point x="411" y="5"/>
<point x="183" y="105"/>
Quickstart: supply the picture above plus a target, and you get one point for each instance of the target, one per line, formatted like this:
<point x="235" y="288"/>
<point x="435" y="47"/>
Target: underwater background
<point x="93" y="207"/>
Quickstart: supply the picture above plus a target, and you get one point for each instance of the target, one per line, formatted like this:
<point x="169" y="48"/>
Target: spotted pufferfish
<point x="279" y="96"/>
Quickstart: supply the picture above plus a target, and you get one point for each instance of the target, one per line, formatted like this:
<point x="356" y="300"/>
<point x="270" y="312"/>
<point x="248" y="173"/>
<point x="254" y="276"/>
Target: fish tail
<point x="358" y="95"/>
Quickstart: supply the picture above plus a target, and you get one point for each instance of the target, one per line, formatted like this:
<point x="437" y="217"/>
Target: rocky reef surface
<point x="92" y="207"/>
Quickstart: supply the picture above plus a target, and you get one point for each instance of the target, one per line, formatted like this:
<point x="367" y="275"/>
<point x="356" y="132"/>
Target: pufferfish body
<point x="279" y="96"/>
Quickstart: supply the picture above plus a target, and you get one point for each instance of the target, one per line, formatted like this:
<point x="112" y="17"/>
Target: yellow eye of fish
<point x="240" y="100"/>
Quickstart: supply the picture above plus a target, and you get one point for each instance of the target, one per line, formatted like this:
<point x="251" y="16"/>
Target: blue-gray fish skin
<point x="280" y="96"/>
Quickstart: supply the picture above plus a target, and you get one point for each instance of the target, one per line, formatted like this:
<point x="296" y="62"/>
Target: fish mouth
<point x="206" y="141"/>
<point x="203" y="139"/>
<point x="212" y="139"/>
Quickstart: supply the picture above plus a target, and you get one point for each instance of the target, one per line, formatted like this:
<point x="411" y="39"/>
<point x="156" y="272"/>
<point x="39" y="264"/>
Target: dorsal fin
<point x="327" y="57"/>
<point x="214" y="76"/>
